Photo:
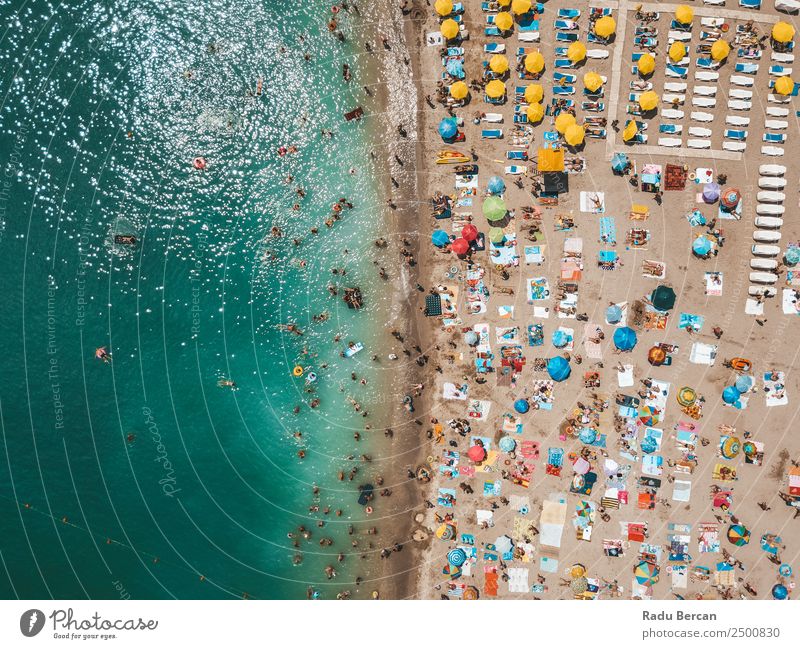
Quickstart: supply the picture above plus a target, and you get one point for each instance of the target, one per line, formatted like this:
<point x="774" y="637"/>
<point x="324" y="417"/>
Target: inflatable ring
<point x="337" y="207"/>
<point x="297" y="371"/>
<point x="331" y="25"/>
<point x="368" y="509"/>
<point x="311" y="377"/>
<point x="335" y="9"/>
<point x="692" y="176"/>
<point x="449" y="330"/>
<point x="429" y="459"/>
<point x="199" y="163"/>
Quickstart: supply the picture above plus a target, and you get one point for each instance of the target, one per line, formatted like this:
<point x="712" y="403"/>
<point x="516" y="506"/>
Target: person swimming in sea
<point x="101" y="354"/>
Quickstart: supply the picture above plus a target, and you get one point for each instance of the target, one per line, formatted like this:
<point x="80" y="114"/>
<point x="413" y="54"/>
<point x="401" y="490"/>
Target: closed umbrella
<point x="625" y="339"/>
<point x="520" y="7"/>
<point x="558" y="368"/>
<point x="711" y="192"/>
<point x="720" y="50"/>
<point x="613" y="314"/>
<point x="782" y="32"/>
<point x="605" y="26"/>
<point x="646" y="64"/>
<point x="504" y="21"/>
<point x="677" y="51"/>
<point x="784" y="86"/>
<point x="701" y="246"/>
<point x="443" y="7"/>
<point x="592" y="81"/>
<point x="576" y="52"/>
<point x="619" y="162"/>
<point x="459" y="90"/>
<point x="448" y="128"/>
<point x="460" y="246"/>
<point x="684" y="14"/>
<point x="476" y="453"/>
<point x="663" y="298"/>
<point x="534" y="62"/>
<point x="574" y="135"/>
<point x="494" y="208"/>
<point x="507" y="444"/>
<point x="730" y="395"/>
<point x="440" y="238"/>
<point x="449" y="29"/>
<point x="630" y="131"/>
<point x="534" y="93"/>
<point x="522" y="406"/>
<point x="496" y="235"/>
<point x="495" y="89"/>
<point x="564" y="121"/>
<point x="496" y="185"/>
<point x="535" y="113"/>
<point x="498" y="64"/>
<point x="469" y="232"/>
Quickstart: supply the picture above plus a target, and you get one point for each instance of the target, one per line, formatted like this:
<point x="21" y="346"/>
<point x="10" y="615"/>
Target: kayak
<point x="448" y="157"/>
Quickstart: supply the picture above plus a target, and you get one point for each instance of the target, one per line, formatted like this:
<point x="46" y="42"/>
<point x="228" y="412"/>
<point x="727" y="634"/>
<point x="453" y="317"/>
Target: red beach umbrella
<point x="476" y="453"/>
<point x="469" y="232"/>
<point x="460" y="246"/>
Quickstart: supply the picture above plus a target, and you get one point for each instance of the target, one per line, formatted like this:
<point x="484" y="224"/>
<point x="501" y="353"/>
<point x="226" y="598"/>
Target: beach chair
<point x="771" y="170"/>
<point x="738" y="104"/>
<point x="569" y="13"/>
<point x="563" y="90"/>
<point x="734" y="146"/>
<point x="676" y="72"/>
<point x="597" y="94"/>
<point x="698" y="144"/>
<point x="671" y="129"/>
<point x="712" y="23"/>
<point x="593" y="106"/>
<point x="674" y="86"/>
<point x="516" y="170"/>
<point x="647" y="42"/>
<point x="699" y="131"/>
<point x="528" y="37"/>
<point x="683" y="37"/>
<point x="565" y="77"/>
<point x="774" y="138"/>
<point x="458" y="8"/>
<point x="672" y="113"/>
<point x="492" y="118"/>
<point x="705" y="91"/>
<point x="597" y="54"/>
<point x="673" y="99"/>
<point x="777" y="124"/>
<point x="564" y="63"/>
<point x="494" y="48"/>
<point x="704" y="102"/>
<point x="684" y="27"/>
<point x="516" y="155"/>
<point x="779" y="71"/>
<point x="591" y="37"/>
<point x="527" y="23"/>
<point x="787" y="6"/>
<point x="707" y="64"/>
<point x="738" y="93"/>
<point x="699" y="116"/>
<point x="492" y="32"/>
<point x="492" y="133"/>
<point x="775" y="111"/>
<point x="747" y="68"/>
<point x="774" y="151"/>
<point x="600" y="134"/>
<point x="486" y="7"/>
<point x="738" y="80"/>
<point x="749" y="53"/>
<point x="733" y="134"/>
<point x="782" y="57"/>
<point x="520" y="118"/>
<point x="750" y="4"/>
<point x="566" y="25"/>
<point x="566" y="37"/>
<point x="734" y="120"/>
<point x="772" y="182"/>
<point x="670" y="142"/>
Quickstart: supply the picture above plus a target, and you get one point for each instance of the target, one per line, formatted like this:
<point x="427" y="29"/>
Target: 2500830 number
<point x="755" y="632"/>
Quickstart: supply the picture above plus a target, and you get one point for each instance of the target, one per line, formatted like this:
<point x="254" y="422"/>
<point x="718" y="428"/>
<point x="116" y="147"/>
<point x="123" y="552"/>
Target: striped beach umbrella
<point x="456" y="557"/>
<point x="739" y="535"/>
<point x="646" y="573"/>
<point x="649" y="416"/>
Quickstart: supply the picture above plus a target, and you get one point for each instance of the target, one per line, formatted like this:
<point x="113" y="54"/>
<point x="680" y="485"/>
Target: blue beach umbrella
<point x="619" y="162"/>
<point x="560" y="338"/>
<point x="455" y="68"/>
<point x="507" y="444"/>
<point x="448" y="128"/>
<point x="613" y="314"/>
<point x="625" y="339"/>
<point x="558" y="368"/>
<point x="730" y="395"/>
<point x="471" y="338"/>
<point x="701" y="246"/>
<point x="440" y="238"/>
<point x="785" y="570"/>
<point x="779" y="591"/>
<point x="521" y="406"/>
<point x="587" y="435"/>
<point x="792" y="255"/>
<point x="496" y="185"/>
<point x="744" y="383"/>
<point x="456" y="557"/>
<point x="649" y="445"/>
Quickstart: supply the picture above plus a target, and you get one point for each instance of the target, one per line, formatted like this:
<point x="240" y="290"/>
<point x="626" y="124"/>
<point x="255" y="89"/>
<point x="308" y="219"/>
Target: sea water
<point x="143" y="476"/>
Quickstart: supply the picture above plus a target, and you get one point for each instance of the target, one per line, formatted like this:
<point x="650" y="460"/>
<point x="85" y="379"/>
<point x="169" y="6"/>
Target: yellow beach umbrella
<point x="592" y="81"/>
<point x="449" y="29"/>
<point x="782" y="32"/>
<point x="720" y="50"/>
<point x="684" y="14"/>
<point x="520" y="7"/>
<point x="646" y="63"/>
<point x="535" y="113"/>
<point x="564" y="121"/>
<point x="677" y="51"/>
<point x="605" y="26"/>
<point x="495" y="89"/>
<point x="534" y="93"/>
<point x="630" y="131"/>
<point x="504" y="21"/>
<point x="574" y="134"/>
<point x="504" y="3"/>
<point x="459" y="90"/>
<point x="498" y="64"/>
<point x="576" y="52"/>
<point x="648" y="100"/>
<point x="534" y="62"/>
<point x="443" y="7"/>
<point x="784" y="86"/>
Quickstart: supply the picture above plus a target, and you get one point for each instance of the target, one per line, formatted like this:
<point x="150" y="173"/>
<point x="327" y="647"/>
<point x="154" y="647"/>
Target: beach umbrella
<point x="701" y="246"/>
<point x="784" y="86"/>
<point x="440" y="238"/>
<point x="646" y="573"/>
<point x="443" y="7"/>
<point x="507" y="444"/>
<point x="504" y="3"/>
<point x="646" y="64"/>
<point x="592" y="81"/>
<point x="730" y="395"/>
<point x="648" y="416"/>
<point x="449" y="29"/>
<point x="785" y="570"/>
<point x="779" y="591"/>
<point x="663" y="298"/>
<point x="782" y="32"/>
<point x="564" y="121"/>
<point x="534" y="62"/>
<point x="605" y="26"/>
<point x="656" y="356"/>
<point x="630" y="131"/>
<point x="469" y="232"/>
<point x="455" y="68"/>
<point x="560" y="338"/>
<point x="684" y="14"/>
<point x="587" y="435"/>
<point x="496" y="235"/>
<point x="446" y="532"/>
<point x="456" y="557"/>
<point x="476" y="453"/>
<point x="686" y="396"/>
<point x="470" y="593"/>
<point x="739" y="535"/>
<point x="730" y="198"/>
<point x="495" y="89"/>
<point x="720" y="50"/>
<point x="574" y="135"/>
<point x="649" y="444"/>
<point x="503" y="543"/>
<point x="613" y="314"/>
<point x="648" y="100"/>
<point x="576" y="52"/>
<point x="577" y="570"/>
<point x="494" y="208"/>
<point x="677" y="51"/>
<point x="792" y="255"/>
<point x="579" y="585"/>
<point x="471" y="338"/>
<point x="496" y="185"/>
<point x="534" y="93"/>
<point x="558" y="368"/>
<point x="625" y="339"/>
<point x="731" y="447"/>
<point x="498" y="64"/>
<point x="503" y="21"/>
<point x="459" y="90"/>
<point x="535" y="113"/>
<point x="744" y="383"/>
<point x="448" y="128"/>
<point x="460" y="246"/>
<point x="522" y="406"/>
<point x="520" y="7"/>
<point x="711" y="192"/>
<point x="619" y="162"/>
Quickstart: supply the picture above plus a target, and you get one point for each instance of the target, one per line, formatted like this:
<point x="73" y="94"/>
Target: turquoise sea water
<point x="103" y="107"/>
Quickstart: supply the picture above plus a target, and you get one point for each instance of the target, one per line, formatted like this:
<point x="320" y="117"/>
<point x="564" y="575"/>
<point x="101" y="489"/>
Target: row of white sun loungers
<point x="769" y="220"/>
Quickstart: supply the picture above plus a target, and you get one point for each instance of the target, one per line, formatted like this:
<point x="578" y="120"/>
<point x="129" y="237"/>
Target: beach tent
<point x="647" y="64"/>
<point x="619" y="162"/>
<point x="496" y="185"/>
<point x="534" y="93"/>
<point x="663" y="298"/>
<point x="677" y="51"/>
<point x="459" y="90"/>
<point x="576" y="52"/>
<point x="564" y="121"/>
<point x="648" y="100"/>
<point x="440" y="238"/>
<point x="630" y="131"/>
<point x="469" y="232"/>
<point x="535" y="113"/>
<point x="613" y="314"/>
<point x="448" y="128"/>
<point x="711" y="192"/>
<point x="701" y="246"/>
<point x="498" y="64"/>
<point x="521" y="406"/>
<point x="558" y="368"/>
<point x="574" y="135"/>
<point x="605" y="26"/>
<point x="719" y="50"/>
<point x="550" y="160"/>
<point x="443" y="7"/>
<point x="592" y="81"/>
<point x="503" y="21"/>
<point x="739" y="535"/>
<point x="476" y="453"/>
<point x="625" y="339"/>
<point x="782" y="32"/>
<point x="784" y="86"/>
<point x="534" y="62"/>
<point x="684" y="14"/>
<point x="730" y="395"/>
<point x="449" y="29"/>
<point x="494" y="208"/>
<point x="520" y="7"/>
<point x="495" y="89"/>
<point x="460" y="246"/>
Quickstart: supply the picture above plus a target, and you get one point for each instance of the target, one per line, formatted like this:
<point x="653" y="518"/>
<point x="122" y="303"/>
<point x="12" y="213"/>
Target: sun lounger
<point x="782" y="57"/>
<point x="492" y="31"/>
<point x="738" y="93"/>
<point x="563" y="90"/>
<point x="735" y="134"/>
<point x="738" y="104"/>
<point x="492" y="118"/>
<point x="777" y="99"/>
<point x="754" y="54"/>
<point x="712" y="23"/>
<point x="738" y="80"/>
<point x="566" y="37"/>
<point x="672" y="129"/>
<point x="644" y="41"/>
<point x="672" y="113"/>
<point x="775" y="111"/>
<point x="698" y="116"/>
<point x="769" y="221"/>
<point x="601" y="134"/>
<point x="675" y="71"/>
<point x="705" y="91"/>
<point x="569" y="13"/>
<point x="593" y="106"/>
<point x="566" y="77"/>
<point x="672" y="99"/>
<point x="670" y="141"/>
<point x="787" y="6"/>
<point x="699" y="131"/>
<point x="704" y="102"/>
<point x="699" y="144"/>
<point x="735" y="120"/>
<point x="492" y="133"/>
<point x="776" y="124"/>
<point x="516" y="155"/>
<point x="734" y="146"/>
<point x="714" y="3"/>
<point x="771" y="182"/>
<point x="674" y="86"/>
<point x="597" y="54"/>
<point x="566" y="25"/>
<point x="780" y="71"/>
<point x="674" y="35"/>
<point x="766" y="236"/>
<point x="750" y="4"/>
<point x="774" y="138"/>
<point x="494" y="48"/>
<point x="769" y="196"/>
<point x="707" y="64"/>
<point x="764" y="209"/>
<point x="774" y="151"/>
<point x="528" y="37"/>
<point x="747" y="68"/>
<point x="564" y="63"/>
<point x="771" y="170"/>
<point x="490" y="6"/>
<point x="516" y="170"/>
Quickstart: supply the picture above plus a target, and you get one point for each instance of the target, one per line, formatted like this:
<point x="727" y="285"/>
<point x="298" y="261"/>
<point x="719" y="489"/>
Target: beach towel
<point x="507" y="335"/>
<point x="789" y="302"/>
<point x="608" y="230"/>
<point x="691" y="320"/>
<point x="451" y="391"/>
<point x="703" y="354"/>
<point x="654" y="269"/>
<point x="534" y="255"/>
<point x="477" y="409"/>
<point x="535" y="335"/>
<point x="625" y="379"/>
<point x="593" y="349"/>
<point x="714" y="284"/>
<point x="551" y="522"/>
<point x="775" y="389"/>
<point x="592" y="202"/>
<point x="538" y="289"/>
<point x="505" y="312"/>
<point x="681" y="491"/>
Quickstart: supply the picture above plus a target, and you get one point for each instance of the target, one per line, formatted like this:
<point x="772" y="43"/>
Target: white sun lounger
<point x="516" y="170"/>
<point x="676" y="35"/>
<point x="738" y="104"/>
<point x="699" y="131"/>
<point x="778" y="99"/>
<point x="673" y="86"/>
<point x="493" y="118"/>
<point x="704" y="102"/>
<point x="771" y="197"/>
<point x="672" y="113"/>
<point x="769" y="222"/>
<point x="738" y="93"/>
<point x="705" y="75"/>
<point x="596" y="54"/>
<point x="765" y="250"/>
<point x="774" y="111"/>
<point x="766" y="236"/>
<point x="789" y="6"/>
<point x="734" y="146"/>
<point x="779" y="71"/>
<point x="672" y="98"/>
<point x="715" y="3"/>
<point x="761" y="277"/>
<point x="771" y="170"/>
<point x="528" y="37"/>
<point x="699" y="144"/>
<point x="763" y="264"/>
<point x="774" y="151"/>
<point x="699" y="116"/>
<point x="782" y="57"/>
<point x="705" y="91"/>
<point x="734" y="120"/>
<point x="669" y="141"/>
<point x="777" y="124"/>
<point x="713" y="23"/>
<point x="771" y="182"/>
<point x="739" y="80"/>
<point x="765" y="209"/>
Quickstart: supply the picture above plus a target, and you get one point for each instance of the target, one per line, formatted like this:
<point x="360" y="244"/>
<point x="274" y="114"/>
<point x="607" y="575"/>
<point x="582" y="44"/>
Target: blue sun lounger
<point x="516" y="155"/>
<point x="671" y="129"/>
<point x="566" y="37"/>
<point x="734" y="134"/>
<point x="682" y="27"/>
<point x="566" y="25"/>
<point x="494" y="48"/>
<point x="492" y="133"/>
<point x="677" y="71"/>
<point x="597" y="135"/>
<point x="563" y="90"/>
<point x="748" y="53"/>
<point x="566" y="77"/>
<point x="527" y="23"/>
<point x="597" y="94"/>
<point x="707" y="64"/>
<point x="564" y="63"/>
<point x="569" y="13"/>
<point x="486" y="7"/>
<point x="750" y="4"/>
<point x="593" y="106"/>
<point x="495" y="102"/>
<point x="774" y="138"/>
<point x="492" y="31"/>
<point x="779" y="70"/>
<point x="747" y="68"/>
<point x="520" y="118"/>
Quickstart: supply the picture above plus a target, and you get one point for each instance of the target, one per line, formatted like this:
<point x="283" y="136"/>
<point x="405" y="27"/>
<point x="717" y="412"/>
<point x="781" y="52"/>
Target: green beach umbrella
<point x="496" y="235"/>
<point x="494" y="208"/>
